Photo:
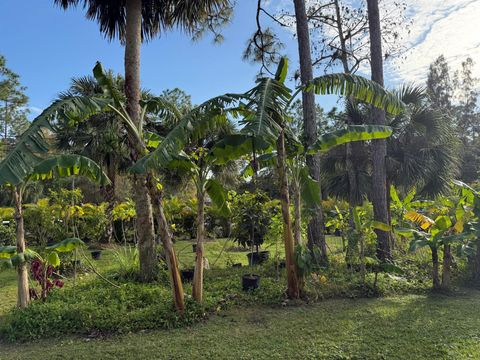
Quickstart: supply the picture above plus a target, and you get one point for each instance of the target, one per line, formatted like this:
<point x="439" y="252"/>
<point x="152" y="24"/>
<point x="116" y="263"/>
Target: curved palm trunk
<point x="293" y="289"/>
<point x="316" y="234"/>
<point x="198" y="274"/>
<point x="171" y="257"/>
<point x="145" y="229"/>
<point x="435" y="277"/>
<point x="379" y="147"/>
<point x="23" y="298"/>
<point x="447" y="267"/>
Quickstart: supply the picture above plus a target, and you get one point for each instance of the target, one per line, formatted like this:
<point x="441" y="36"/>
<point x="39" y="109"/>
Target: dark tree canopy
<point x="191" y="16"/>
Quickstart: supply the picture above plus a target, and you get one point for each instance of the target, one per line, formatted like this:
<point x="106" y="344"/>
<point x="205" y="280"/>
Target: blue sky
<point x="48" y="46"/>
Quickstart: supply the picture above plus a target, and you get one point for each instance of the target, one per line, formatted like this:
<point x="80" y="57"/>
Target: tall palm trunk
<point x="316" y="234"/>
<point x="379" y="147"/>
<point x="293" y="289"/>
<point x="171" y="257"/>
<point x="435" y="277"/>
<point x="23" y="298"/>
<point x="145" y="230"/>
<point x="198" y="274"/>
<point x="110" y="199"/>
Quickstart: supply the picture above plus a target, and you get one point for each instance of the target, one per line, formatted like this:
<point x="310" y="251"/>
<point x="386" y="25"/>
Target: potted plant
<point x="252" y="218"/>
<point x="187" y="274"/>
<point x="95" y="251"/>
<point x="250" y="282"/>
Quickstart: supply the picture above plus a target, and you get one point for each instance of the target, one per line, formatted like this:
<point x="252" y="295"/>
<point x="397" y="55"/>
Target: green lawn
<point x="407" y="327"/>
<point x="398" y="327"/>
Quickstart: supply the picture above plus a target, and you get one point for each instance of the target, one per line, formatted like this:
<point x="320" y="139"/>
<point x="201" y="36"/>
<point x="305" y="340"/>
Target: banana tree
<point x="17" y="175"/>
<point x="269" y="103"/>
<point x="439" y="234"/>
<point x="199" y="162"/>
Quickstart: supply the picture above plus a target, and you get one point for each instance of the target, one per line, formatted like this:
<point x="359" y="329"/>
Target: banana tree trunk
<point x="435" y="277"/>
<point x="145" y="229"/>
<point x="379" y="147"/>
<point x="198" y="274"/>
<point x="447" y="267"/>
<point x="171" y="257"/>
<point x="23" y="298"/>
<point x="316" y="233"/>
<point x="293" y="289"/>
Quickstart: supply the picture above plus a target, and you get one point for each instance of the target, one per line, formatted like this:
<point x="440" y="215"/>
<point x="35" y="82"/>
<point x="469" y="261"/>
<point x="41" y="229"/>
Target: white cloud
<point x="447" y="27"/>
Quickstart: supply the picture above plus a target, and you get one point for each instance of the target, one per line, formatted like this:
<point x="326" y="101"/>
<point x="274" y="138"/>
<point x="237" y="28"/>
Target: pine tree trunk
<point x="435" y="277"/>
<point x="293" y="289"/>
<point x="171" y="257"/>
<point x="447" y="268"/>
<point x="23" y="298"/>
<point x="145" y="229"/>
<point x="379" y="147"/>
<point x="316" y="233"/>
<point x="198" y="274"/>
<point x="297" y="224"/>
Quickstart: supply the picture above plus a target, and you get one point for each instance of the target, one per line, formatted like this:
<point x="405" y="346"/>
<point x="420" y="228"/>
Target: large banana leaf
<point x="68" y="165"/>
<point x="33" y="144"/>
<point x="67" y="245"/>
<point x="349" y="134"/>
<point x="421" y="220"/>
<point x="311" y="195"/>
<point x="235" y="146"/>
<point x="219" y="195"/>
<point x="357" y="87"/>
<point x="192" y="126"/>
<point x="269" y="99"/>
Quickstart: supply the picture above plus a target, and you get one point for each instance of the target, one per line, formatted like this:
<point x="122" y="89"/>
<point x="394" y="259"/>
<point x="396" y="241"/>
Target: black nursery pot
<point x="255" y="258"/>
<point x="76" y="262"/>
<point x="194" y="248"/>
<point x="282" y="264"/>
<point x="187" y="275"/>
<point x="250" y="282"/>
<point x="96" y="254"/>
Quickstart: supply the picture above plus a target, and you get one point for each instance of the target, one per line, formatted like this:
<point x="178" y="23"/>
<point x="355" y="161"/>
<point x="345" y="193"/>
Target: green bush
<point x="7" y="229"/>
<point x="252" y="217"/>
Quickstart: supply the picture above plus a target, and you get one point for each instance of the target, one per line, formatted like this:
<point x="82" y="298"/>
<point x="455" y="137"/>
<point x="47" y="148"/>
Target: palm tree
<point x="421" y="153"/>
<point x="316" y="234"/>
<point x="379" y="182"/>
<point x="133" y="21"/>
<point x="100" y="138"/>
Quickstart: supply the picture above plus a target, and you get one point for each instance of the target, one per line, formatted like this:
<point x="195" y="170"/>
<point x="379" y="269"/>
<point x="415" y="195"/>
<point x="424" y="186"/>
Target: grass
<point x="246" y="325"/>
<point x="405" y="327"/>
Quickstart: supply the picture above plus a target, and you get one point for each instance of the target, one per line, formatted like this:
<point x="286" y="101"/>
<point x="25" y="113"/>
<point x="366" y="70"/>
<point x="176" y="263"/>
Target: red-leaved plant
<point x="43" y="274"/>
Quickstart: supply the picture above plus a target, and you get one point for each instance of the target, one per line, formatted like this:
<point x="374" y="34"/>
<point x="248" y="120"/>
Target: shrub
<point x="252" y="216"/>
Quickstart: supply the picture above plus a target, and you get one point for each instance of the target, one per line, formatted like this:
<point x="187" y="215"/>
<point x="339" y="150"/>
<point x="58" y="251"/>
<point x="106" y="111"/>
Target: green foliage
<point x="252" y="216"/>
<point x="7" y="233"/>
<point x="68" y="165"/>
<point x="67" y="245"/>
<point x="130" y="308"/>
